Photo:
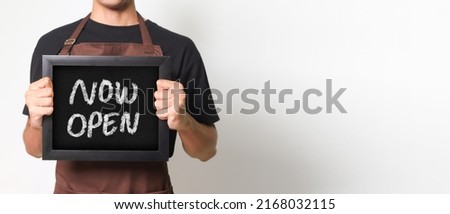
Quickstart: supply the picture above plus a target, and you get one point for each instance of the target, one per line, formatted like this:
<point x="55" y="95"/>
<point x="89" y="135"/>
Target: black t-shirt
<point x="186" y="62"/>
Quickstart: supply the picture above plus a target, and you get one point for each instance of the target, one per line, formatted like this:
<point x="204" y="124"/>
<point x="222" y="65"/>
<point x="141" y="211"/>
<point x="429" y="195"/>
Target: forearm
<point x="199" y="140"/>
<point x="32" y="138"/>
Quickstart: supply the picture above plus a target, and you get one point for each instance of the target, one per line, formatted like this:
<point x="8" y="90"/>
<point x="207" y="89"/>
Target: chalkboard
<point x="103" y="109"/>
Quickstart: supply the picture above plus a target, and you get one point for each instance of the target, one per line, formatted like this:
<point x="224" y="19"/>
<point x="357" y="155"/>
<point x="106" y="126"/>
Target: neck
<point x="125" y="16"/>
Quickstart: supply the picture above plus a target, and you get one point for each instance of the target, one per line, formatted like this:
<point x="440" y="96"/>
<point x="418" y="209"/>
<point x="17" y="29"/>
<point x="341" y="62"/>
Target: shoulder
<point x="49" y="44"/>
<point x="185" y="58"/>
<point x="170" y="41"/>
<point x="54" y="40"/>
<point x="61" y="33"/>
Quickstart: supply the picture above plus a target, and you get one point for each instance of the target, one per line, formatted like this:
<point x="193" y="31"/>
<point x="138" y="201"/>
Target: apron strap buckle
<point x="70" y="41"/>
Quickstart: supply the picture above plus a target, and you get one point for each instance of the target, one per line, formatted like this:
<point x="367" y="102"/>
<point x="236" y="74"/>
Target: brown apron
<point x="112" y="177"/>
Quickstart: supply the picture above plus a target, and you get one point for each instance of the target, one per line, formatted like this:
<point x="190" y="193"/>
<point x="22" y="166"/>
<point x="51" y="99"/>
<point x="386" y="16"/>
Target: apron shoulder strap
<point x="146" y="38"/>
<point x="68" y="44"/>
<point x="145" y="34"/>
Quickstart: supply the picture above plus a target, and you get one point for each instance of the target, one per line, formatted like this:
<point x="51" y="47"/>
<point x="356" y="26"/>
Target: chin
<point x="115" y="4"/>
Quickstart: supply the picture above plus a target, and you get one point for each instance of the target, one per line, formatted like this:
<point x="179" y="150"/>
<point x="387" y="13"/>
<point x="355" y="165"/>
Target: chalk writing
<point x="96" y="119"/>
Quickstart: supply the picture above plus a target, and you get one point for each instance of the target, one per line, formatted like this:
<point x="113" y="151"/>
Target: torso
<point x="112" y="177"/>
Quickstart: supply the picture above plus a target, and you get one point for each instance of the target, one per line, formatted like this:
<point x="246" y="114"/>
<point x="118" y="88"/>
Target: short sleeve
<point x="199" y="101"/>
<point x="35" y="68"/>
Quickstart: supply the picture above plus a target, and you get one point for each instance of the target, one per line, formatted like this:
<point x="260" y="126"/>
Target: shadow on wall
<point x="254" y="156"/>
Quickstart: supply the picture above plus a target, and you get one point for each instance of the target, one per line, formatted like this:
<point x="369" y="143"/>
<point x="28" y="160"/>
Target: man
<point x="115" y="23"/>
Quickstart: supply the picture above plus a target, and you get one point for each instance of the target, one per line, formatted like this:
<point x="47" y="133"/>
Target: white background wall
<point x="392" y="55"/>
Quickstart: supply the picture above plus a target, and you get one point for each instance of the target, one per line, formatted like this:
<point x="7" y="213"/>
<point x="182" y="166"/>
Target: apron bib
<point x="111" y="177"/>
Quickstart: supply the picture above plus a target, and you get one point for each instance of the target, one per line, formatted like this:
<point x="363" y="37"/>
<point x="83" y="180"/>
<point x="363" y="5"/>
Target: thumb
<point x="163" y="84"/>
<point x="44" y="82"/>
<point x="47" y="82"/>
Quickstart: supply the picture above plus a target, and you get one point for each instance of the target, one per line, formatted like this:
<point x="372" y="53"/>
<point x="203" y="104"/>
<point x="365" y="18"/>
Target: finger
<point x="49" y="82"/>
<point x="161" y="104"/>
<point x="179" y="98"/>
<point x="162" y="114"/>
<point x="170" y="94"/>
<point x="161" y="95"/>
<point x="33" y="98"/>
<point x="168" y="84"/>
<point x="40" y="111"/>
<point x="46" y="110"/>
<point x="176" y="94"/>
<point x="44" y="102"/>
<point x="39" y="93"/>
<point x="162" y="84"/>
<point x="42" y="83"/>
<point x="44" y="92"/>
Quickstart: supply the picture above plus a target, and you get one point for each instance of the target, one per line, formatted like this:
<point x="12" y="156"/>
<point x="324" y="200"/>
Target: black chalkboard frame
<point x="49" y="153"/>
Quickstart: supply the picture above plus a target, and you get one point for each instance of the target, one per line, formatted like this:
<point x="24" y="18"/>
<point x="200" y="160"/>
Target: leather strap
<point x="68" y="44"/>
<point x="146" y="39"/>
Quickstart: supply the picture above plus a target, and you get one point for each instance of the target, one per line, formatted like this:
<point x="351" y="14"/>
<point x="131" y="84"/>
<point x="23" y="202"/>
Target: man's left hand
<point x="170" y="104"/>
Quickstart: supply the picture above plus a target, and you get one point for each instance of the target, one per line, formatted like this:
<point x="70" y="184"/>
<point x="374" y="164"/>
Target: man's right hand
<point x="39" y="100"/>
